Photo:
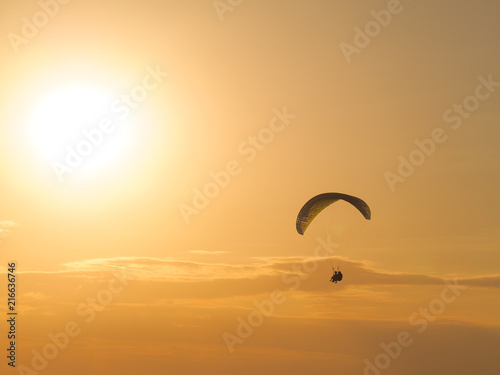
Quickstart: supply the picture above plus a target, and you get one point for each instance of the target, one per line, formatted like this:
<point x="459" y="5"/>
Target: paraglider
<point x="337" y="276"/>
<point x="318" y="203"/>
<point x="334" y="277"/>
<point x="315" y="205"/>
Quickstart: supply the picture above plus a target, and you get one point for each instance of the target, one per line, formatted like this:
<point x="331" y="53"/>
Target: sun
<point x="74" y="130"/>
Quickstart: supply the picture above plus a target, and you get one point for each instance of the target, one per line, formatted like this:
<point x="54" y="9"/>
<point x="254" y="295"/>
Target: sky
<point x="154" y="156"/>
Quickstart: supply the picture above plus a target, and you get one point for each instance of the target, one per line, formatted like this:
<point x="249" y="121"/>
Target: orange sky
<point x="276" y="101"/>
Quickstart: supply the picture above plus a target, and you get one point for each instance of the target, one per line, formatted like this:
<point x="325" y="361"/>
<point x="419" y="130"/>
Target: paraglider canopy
<point x="318" y="203"/>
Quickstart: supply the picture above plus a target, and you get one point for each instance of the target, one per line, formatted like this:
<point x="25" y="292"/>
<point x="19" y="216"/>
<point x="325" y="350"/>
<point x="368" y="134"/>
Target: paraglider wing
<point x="318" y="203"/>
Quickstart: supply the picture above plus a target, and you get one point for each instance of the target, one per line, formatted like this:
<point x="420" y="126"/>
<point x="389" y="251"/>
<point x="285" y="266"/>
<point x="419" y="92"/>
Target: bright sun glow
<point x="74" y="129"/>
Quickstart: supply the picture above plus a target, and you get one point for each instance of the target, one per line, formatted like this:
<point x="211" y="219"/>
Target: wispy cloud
<point x="5" y="227"/>
<point x="208" y="252"/>
<point x="487" y="281"/>
<point x="265" y="270"/>
<point x="166" y="269"/>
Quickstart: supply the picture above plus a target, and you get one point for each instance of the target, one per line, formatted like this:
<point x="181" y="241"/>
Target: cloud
<point x="168" y="279"/>
<point x="5" y="227"/>
<point x="190" y="279"/>
<point x="34" y="296"/>
<point x="487" y="281"/>
<point x="166" y="269"/>
<point x="208" y="252"/>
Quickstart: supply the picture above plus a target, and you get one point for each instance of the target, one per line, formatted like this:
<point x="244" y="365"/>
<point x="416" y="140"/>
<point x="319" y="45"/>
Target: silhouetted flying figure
<point x="334" y="277"/>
